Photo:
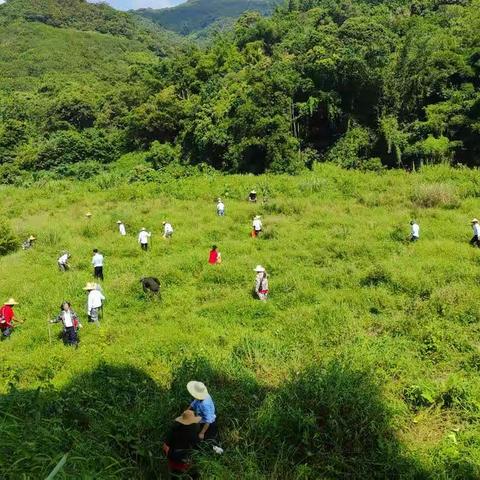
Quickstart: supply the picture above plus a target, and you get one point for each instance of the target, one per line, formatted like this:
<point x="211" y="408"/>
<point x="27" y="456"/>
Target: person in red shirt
<point x="215" y="256"/>
<point x="7" y="317"/>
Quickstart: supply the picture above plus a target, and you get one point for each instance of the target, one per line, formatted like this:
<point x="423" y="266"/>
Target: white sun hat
<point x="197" y="390"/>
<point x="259" y="268"/>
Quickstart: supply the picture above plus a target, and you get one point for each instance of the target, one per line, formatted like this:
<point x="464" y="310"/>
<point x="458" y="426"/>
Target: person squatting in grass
<point x="143" y="238"/>
<point x="257" y="226"/>
<point x="215" y="256"/>
<point x="167" y="230"/>
<point x="415" y="231"/>
<point x="70" y="322"/>
<point x="476" y="232"/>
<point x="28" y="243"/>
<point x="181" y="441"/>
<point x="63" y="265"/>
<point x="252" y="196"/>
<point x="203" y="406"/>
<point x="261" y="283"/>
<point x="7" y="317"/>
<point x="150" y="284"/>
<point x="97" y="262"/>
<point x="220" y="208"/>
<point x="94" y="302"/>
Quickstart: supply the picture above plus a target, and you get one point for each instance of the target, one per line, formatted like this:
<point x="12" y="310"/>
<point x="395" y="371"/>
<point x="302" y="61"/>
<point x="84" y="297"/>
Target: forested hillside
<point x="361" y="84"/>
<point x="195" y="15"/>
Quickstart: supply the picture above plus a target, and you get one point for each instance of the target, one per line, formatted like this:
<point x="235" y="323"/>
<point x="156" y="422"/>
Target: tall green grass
<point x="363" y="363"/>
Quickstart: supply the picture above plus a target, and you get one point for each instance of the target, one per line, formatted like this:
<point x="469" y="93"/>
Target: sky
<point x="134" y="4"/>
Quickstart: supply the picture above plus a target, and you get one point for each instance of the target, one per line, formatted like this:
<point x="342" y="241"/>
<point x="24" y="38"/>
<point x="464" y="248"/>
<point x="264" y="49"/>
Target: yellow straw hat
<point x="31" y="237"/>
<point x="11" y="301"/>
<point x="90" y="286"/>
<point x="188" y="418"/>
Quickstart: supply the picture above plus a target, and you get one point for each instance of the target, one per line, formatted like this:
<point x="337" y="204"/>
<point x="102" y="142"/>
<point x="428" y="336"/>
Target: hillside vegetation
<point x="196" y="15"/>
<point x="364" y="362"/>
<point x="365" y="85"/>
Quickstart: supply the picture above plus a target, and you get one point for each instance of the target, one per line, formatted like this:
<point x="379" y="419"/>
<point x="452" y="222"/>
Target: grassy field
<point x="364" y="363"/>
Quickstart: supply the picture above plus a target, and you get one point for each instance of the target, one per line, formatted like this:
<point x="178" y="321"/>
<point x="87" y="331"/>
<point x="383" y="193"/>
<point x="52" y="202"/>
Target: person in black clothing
<point x="180" y="443"/>
<point x="150" y="284"/>
<point x="252" y="196"/>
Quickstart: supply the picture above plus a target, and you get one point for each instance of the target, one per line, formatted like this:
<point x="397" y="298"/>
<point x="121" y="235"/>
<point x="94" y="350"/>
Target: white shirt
<point x="63" y="259"/>
<point x="143" y="237"/>
<point x="67" y="319"/>
<point x="476" y="229"/>
<point x="95" y="299"/>
<point x="122" y="229"/>
<point x="97" y="260"/>
<point x="168" y="228"/>
<point x="416" y="230"/>
<point x="220" y="207"/>
<point x="257" y="224"/>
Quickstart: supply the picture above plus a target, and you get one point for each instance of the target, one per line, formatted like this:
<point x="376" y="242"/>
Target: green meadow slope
<point x="363" y="363"/>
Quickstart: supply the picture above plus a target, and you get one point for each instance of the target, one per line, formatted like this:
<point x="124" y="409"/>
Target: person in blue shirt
<point x="204" y="407"/>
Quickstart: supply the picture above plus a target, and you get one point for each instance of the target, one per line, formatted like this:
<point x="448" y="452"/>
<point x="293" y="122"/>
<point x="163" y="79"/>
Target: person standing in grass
<point x="7" y="317"/>
<point x="70" y="323"/>
<point x="220" y="208"/>
<point x="257" y="226"/>
<point x="476" y="233"/>
<point x="121" y="228"/>
<point x="215" y="256"/>
<point x="97" y="262"/>
<point x="261" y="283"/>
<point x="95" y="301"/>
<point x="143" y="238"/>
<point x="204" y="407"/>
<point x="63" y="265"/>
<point x="167" y="230"/>
<point x="181" y="442"/>
<point x="415" y="231"/>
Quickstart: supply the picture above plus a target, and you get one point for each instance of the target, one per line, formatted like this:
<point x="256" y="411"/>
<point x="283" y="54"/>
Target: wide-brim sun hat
<point x="11" y="301"/>
<point x="257" y="217"/>
<point x="88" y="214"/>
<point x="31" y="237"/>
<point x="259" y="268"/>
<point x="188" y="418"/>
<point x="143" y="229"/>
<point x="90" y="286"/>
<point x="475" y="220"/>
<point x="119" y="221"/>
<point x="197" y="390"/>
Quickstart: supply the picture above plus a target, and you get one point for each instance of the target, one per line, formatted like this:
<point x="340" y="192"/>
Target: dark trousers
<point x="6" y="332"/>
<point x="474" y="241"/>
<point x="144" y="246"/>
<point x="70" y="336"/>
<point x="212" y="432"/>
<point x="98" y="272"/>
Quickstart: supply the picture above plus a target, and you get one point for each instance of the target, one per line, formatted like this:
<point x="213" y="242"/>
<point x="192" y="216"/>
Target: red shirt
<point x="7" y="313"/>
<point x="213" y="257"/>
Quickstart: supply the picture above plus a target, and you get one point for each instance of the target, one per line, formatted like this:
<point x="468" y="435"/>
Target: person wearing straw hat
<point x="220" y="208"/>
<point x="180" y="442"/>
<point x="7" y="317"/>
<point x="63" y="265"/>
<point x="121" y="228"/>
<point x="28" y="243"/>
<point x="476" y="233"/>
<point x="261" y="283"/>
<point x="88" y="215"/>
<point x="415" y="231"/>
<point x="167" y="230"/>
<point x="95" y="301"/>
<point x="204" y="407"/>
<point x="257" y="226"/>
<point x="143" y="237"/>
<point x="70" y="322"/>
<point x="252" y="196"/>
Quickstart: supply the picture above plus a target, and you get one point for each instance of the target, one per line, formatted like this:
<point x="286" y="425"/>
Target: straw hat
<point x="253" y="191"/>
<point x="188" y="418"/>
<point x="197" y="390"/>
<point x="11" y="301"/>
<point x="475" y="220"/>
<point x="90" y="286"/>
<point x="259" y="269"/>
<point x="119" y="222"/>
<point x="31" y="237"/>
<point x="257" y="217"/>
<point x="163" y="223"/>
<point x="143" y="229"/>
<point x="88" y="214"/>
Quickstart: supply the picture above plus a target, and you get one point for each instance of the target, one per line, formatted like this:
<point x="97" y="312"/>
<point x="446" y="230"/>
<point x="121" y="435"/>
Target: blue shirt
<point x="205" y="409"/>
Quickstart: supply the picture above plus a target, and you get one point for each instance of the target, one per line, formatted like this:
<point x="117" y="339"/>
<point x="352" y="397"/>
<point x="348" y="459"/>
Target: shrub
<point x="436" y="195"/>
<point x="8" y="240"/>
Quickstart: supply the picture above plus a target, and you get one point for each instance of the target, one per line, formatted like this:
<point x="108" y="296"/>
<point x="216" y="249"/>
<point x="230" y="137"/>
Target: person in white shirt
<point x="143" y="237"/>
<point x="415" y="232"/>
<point x="167" y="230"/>
<point x="220" y="208"/>
<point x="121" y="228"/>
<point x="94" y="302"/>
<point x="70" y="323"/>
<point x="257" y="226"/>
<point x="476" y="233"/>
<point x="63" y="262"/>
<point x="97" y="262"/>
